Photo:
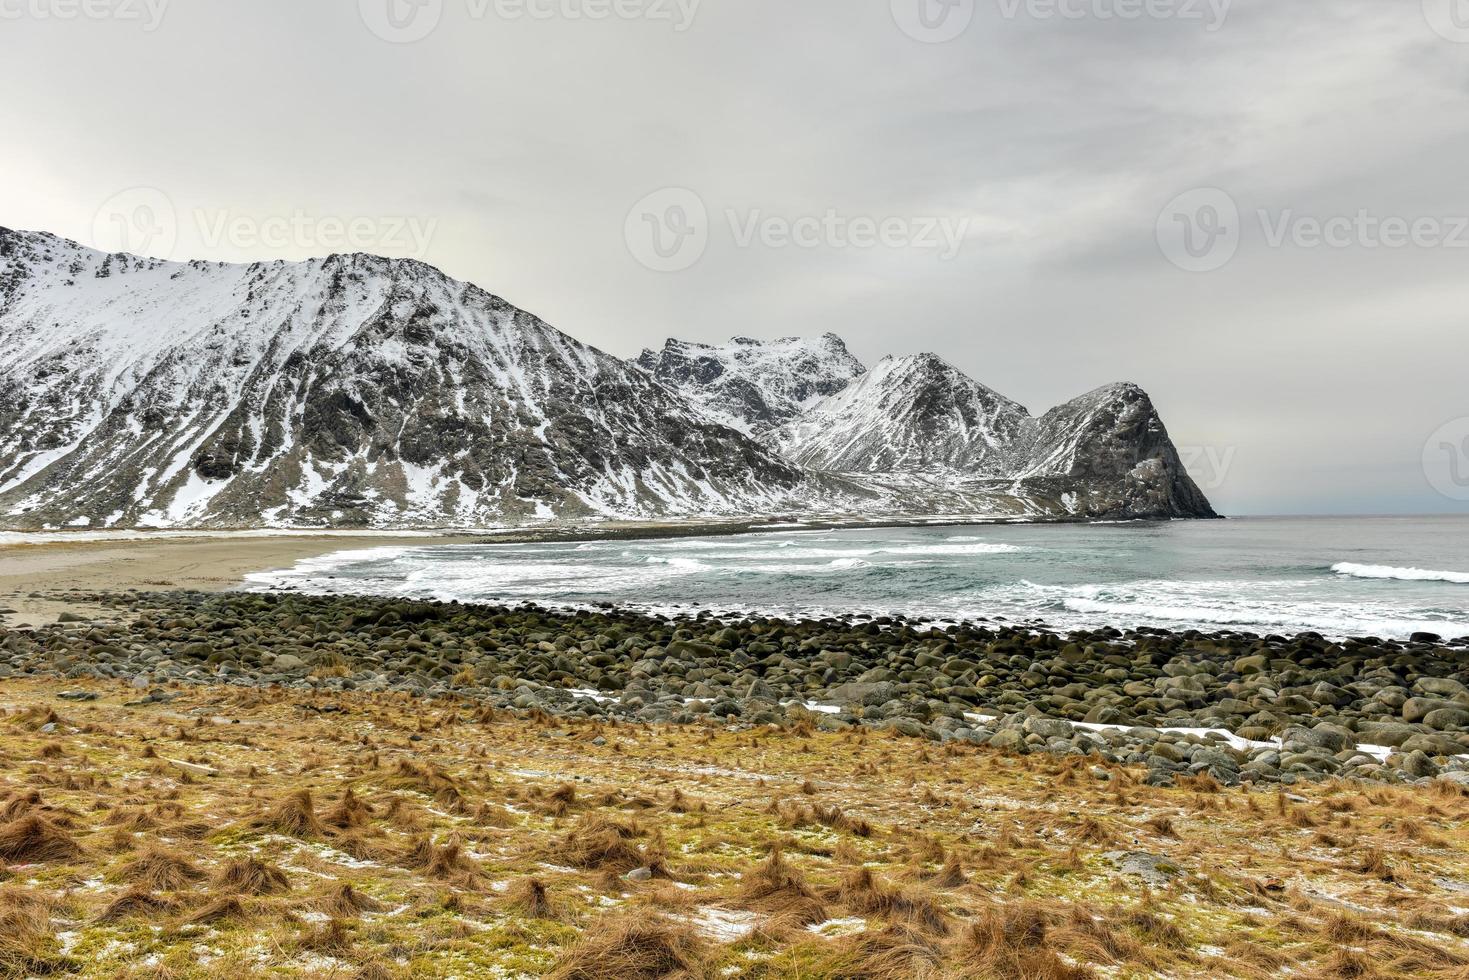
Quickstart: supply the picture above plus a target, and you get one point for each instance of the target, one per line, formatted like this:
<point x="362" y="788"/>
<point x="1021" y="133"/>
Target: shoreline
<point x="555" y="531"/>
<point x="1243" y="709"/>
<point x="33" y="572"/>
<point x="38" y="578"/>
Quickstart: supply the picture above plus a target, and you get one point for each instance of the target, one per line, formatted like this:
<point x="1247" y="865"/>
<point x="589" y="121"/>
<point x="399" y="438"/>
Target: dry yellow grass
<point x="236" y="832"/>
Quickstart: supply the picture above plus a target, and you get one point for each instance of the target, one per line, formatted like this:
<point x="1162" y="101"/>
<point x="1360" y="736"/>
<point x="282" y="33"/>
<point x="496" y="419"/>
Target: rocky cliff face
<point x="1110" y="449"/>
<point x="352" y="390"/>
<point x="751" y="385"/>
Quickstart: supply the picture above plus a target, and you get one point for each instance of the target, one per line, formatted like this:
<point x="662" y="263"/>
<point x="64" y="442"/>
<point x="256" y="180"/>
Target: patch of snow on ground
<point x="1379" y="752"/>
<point x="834" y="928"/>
<point x="722" y="925"/>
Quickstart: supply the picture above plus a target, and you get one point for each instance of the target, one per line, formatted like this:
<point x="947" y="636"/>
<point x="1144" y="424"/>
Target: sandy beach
<point x="35" y="577"/>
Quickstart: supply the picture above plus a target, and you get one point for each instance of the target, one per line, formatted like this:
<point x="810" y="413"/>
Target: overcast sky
<point x="1052" y="194"/>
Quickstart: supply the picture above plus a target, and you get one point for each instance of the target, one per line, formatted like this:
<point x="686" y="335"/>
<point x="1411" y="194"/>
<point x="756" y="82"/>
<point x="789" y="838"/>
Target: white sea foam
<point x="709" y="544"/>
<point x="781" y="568"/>
<point x="1247" y="612"/>
<point x="1401" y="574"/>
<point x="323" y="566"/>
<point x="979" y="548"/>
<point x="801" y="551"/>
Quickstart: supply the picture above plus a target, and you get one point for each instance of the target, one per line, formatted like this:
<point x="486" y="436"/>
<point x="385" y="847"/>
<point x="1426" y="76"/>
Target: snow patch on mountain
<point x="754" y="386"/>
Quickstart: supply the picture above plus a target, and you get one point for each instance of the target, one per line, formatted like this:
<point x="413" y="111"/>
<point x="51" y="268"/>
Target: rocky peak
<point x="754" y="385"/>
<point x="1105" y="453"/>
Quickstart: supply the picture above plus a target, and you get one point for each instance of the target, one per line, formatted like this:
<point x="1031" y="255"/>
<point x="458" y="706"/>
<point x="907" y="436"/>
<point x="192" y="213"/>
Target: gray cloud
<point x="525" y="142"/>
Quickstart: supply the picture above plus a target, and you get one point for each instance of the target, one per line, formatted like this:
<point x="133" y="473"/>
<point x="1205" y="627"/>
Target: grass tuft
<point x="295" y="816"/>
<point x="529" y="897"/>
<point x="778" y="889"/>
<point x="33" y="839"/>
<point x="630" y="948"/>
<point x="159" y="869"/>
<point x="251" y="876"/>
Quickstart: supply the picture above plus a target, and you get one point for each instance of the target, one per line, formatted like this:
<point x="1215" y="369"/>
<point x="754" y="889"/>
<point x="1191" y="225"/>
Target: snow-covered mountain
<point x="351" y="390"/>
<point x="751" y="385"/>
<point x="1106" y="453"/>
<point x="357" y="391"/>
<point x="916" y="413"/>
<point x="919" y="427"/>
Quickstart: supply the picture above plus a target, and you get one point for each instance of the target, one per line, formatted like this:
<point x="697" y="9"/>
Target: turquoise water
<point x="1386" y="577"/>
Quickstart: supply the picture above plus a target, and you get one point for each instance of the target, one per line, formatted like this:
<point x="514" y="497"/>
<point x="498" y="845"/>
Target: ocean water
<point x="1385" y="577"/>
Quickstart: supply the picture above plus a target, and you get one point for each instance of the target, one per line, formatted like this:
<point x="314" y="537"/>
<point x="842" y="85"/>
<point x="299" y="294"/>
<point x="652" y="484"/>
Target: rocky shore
<point x="1261" y="709"/>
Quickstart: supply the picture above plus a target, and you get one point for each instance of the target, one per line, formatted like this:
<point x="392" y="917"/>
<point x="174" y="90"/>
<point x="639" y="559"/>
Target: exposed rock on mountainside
<point x="351" y="390"/>
<point x="751" y="385"/>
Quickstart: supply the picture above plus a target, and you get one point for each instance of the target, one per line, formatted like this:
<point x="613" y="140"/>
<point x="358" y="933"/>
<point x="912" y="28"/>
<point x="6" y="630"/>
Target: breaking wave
<point x="1400" y="574"/>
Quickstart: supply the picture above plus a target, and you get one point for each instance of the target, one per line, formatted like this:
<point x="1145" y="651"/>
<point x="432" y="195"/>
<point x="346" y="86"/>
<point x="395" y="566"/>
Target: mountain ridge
<point x="357" y="390"/>
<point x="918" y="417"/>
<point x="351" y="389"/>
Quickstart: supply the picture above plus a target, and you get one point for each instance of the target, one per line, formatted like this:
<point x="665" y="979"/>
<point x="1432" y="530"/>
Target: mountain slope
<point x="915" y="413"/>
<point x="755" y="386"/>
<point x="352" y="390"/>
